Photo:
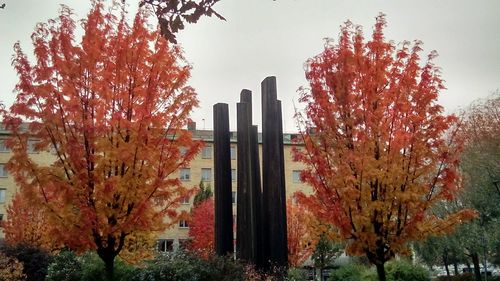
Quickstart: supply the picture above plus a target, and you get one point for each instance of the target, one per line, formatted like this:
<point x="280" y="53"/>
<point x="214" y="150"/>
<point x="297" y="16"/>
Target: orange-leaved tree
<point x="110" y="109"/>
<point x="28" y="224"/>
<point x="379" y="151"/>
<point x="302" y="233"/>
<point x="202" y="228"/>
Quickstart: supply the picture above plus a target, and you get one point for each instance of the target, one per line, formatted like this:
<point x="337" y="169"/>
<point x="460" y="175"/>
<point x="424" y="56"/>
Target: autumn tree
<point x="202" y="228"/>
<point x="27" y="224"/>
<point x="302" y="236"/>
<point x="110" y="109"/>
<point x="379" y="152"/>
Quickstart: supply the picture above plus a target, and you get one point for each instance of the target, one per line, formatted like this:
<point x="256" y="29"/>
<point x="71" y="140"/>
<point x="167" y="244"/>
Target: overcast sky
<point x="274" y="38"/>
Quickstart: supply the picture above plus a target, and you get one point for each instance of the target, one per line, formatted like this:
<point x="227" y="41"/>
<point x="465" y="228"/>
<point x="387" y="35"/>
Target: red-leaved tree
<point x="27" y="224"/>
<point x="302" y="233"/>
<point x="110" y="109"/>
<point x="201" y="229"/>
<point x="379" y="151"/>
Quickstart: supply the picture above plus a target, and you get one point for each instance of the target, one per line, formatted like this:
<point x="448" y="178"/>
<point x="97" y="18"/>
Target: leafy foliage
<point x="481" y="167"/>
<point x="403" y="270"/>
<point x="27" y="224"/>
<point x="378" y="150"/>
<point x="182" y="266"/>
<point x="173" y="14"/>
<point x="297" y="274"/>
<point x="461" y="277"/>
<point x="11" y="269"/>
<point x="445" y="250"/>
<point x="202" y="229"/>
<point x="64" y="267"/>
<point x="353" y="272"/>
<point x="326" y="252"/>
<point x="88" y="267"/>
<point x="35" y="260"/>
<point x="110" y="109"/>
<point x="203" y="194"/>
<point x="302" y="237"/>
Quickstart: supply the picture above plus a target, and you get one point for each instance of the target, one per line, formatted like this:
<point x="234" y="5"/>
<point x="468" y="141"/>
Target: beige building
<point x="199" y="170"/>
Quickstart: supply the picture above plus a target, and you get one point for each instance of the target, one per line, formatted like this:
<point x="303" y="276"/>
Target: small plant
<point x="64" y="267"/>
<point x="349" y="272"/>
<point x="11" y="269"/>
<point x="297" y="274"/>
<point x="184" y="266"/>
<point x="403" y="270"/>
<point x="35" y="261"/>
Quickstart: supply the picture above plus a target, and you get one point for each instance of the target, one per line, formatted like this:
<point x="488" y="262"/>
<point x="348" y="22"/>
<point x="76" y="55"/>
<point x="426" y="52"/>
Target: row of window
<point x="185" y="200"/>
<point x="167" y="245"/>
<point x="31" y="146"/>
<point x="206" y="175"/>
<point x="207" y="152"/>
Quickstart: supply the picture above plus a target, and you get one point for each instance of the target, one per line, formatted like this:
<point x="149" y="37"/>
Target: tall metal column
<point x="273" y="185"/>
<point x="222" y="179"/>
<point x="247" y="217"/>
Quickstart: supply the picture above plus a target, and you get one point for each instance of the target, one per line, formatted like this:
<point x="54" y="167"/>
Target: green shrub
<point x="353" y="272"/>
<point x="35" y="261"/>
<point x="461" y="277"/>
<point x="297" y="274"/>
<point x="399" y="270"/>
<point x="93" y="268"/>
<point x="181" y="266"/>
<point x="64" y="267"/>
<point x="88" y="267"/>
<point x="402" y="270"/>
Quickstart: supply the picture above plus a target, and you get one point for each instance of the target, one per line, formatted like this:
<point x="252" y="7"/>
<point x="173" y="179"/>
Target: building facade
<point x="201" y="169"/>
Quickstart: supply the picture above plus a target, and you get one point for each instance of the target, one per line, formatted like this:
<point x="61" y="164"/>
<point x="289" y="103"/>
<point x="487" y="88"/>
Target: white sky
<point x="264" y="37"/>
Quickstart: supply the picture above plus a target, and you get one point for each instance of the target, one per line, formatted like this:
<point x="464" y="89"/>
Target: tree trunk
<point x="455" y="267"/>
<point x="381" y="272"/>
<point x="110" y="266"/>
<point x="477" y="269"/>
<point x="109" y="262"/>
<point x="445" y="261"/>
<point x="320" y="274"/>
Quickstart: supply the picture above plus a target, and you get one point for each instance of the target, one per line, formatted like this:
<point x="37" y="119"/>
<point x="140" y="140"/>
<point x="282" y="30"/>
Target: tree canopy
<point x="379" y="151"/>
<point x="110" y="108"/>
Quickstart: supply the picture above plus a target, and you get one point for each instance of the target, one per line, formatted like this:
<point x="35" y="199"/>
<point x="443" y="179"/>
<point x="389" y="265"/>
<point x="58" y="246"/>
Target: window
<point x="3" y="192"/>
<point x="165" y="245"/>
<point x="206" y="152"/>
<point x="206" y="174"/>
<point x="234" y="175"/>
<point x="296" y="176"/>
<point x="233" y="152"/>
<point x="185" y="174"/>
<point x="183" y="224"/>
<point x="233" y="197"/>
<point x="3" y="171"/>
<point x="3" y="147"/>
<point x="31" y="146"/>
<point x="185" y="200"/>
